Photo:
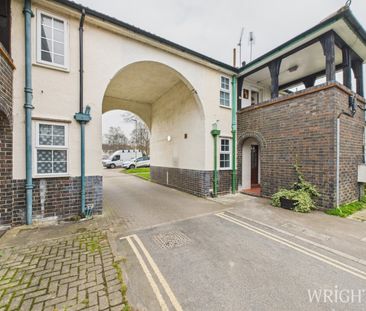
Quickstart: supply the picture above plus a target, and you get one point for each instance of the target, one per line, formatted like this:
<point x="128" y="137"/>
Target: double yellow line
<point x="302" y="249"/>
<point x="137" y="245"/>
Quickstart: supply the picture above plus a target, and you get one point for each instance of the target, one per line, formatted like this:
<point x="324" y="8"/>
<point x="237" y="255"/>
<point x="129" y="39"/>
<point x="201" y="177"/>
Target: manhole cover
<point x="171" y="239"/>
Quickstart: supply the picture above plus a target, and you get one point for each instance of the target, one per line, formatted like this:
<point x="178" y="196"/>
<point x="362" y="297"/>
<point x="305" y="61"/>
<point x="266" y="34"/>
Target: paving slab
<point x="360" y="216"/>
<point x="42" y="276"/>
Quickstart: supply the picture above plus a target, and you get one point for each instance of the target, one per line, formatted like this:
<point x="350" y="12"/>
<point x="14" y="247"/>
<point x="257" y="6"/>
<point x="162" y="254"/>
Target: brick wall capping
<point x="6" y="56"/>
<point x="46" y="119"/>
<point x="302" y="93"/>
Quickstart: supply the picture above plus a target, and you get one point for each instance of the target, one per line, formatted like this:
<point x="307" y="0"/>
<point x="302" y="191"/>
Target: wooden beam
<point x="347" y="77"/>
<point x="239" y="92"/>
<point x="309" y="81"/>
<point x="328" y="44"/>
<point x="274" y="70"/>
<point x="357" y="71"/>
<point x="318" y="74"/>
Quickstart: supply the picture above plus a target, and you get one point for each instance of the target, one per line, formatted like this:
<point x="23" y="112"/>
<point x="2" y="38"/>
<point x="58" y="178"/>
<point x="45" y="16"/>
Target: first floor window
<point x="225" y="92"/>
<point x="52" y="39"/>
<point x="51" y="149"/>
<point x="225" y="153"/>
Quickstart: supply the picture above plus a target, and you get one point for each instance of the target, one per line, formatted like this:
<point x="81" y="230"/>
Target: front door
<point x="254" y="165"/>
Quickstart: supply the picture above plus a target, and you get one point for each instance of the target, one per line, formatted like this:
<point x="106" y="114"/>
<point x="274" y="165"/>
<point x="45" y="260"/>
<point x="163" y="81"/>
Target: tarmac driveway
<point x="224" y="262"/>
<point x="131" y="203"/>
<point x="232" y="253"/>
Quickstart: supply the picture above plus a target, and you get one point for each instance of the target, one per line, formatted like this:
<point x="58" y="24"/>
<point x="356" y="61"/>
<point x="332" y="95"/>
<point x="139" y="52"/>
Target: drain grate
<point x="172" y="239"/>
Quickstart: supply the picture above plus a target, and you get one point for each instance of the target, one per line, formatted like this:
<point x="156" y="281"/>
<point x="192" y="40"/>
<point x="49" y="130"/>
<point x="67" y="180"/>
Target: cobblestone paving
<point x="72" y="273"/>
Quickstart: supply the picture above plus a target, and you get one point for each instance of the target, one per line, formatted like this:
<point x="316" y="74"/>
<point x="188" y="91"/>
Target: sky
<point x="213" y="27"/>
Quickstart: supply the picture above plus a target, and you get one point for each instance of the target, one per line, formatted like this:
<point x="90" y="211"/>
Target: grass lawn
<point x="346" y="210"/>
<point x="142" y="172"/>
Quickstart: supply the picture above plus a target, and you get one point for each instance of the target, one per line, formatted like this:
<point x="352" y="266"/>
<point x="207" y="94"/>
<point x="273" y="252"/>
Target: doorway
<point x="251" y="167"/>
<point x="254" y="155"/>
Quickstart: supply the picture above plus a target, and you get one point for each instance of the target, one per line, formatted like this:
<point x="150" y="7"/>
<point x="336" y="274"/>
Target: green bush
<point x="302" y="192"/>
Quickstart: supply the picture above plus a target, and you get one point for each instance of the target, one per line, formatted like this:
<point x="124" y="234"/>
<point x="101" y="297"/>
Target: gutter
<point x="82" y="117"/>
<point x="28" y="92"/>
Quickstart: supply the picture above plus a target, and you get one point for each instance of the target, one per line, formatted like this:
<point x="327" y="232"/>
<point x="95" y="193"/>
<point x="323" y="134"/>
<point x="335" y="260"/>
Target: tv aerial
<point x="239" y="44"/>
<point x="251" y="43"/>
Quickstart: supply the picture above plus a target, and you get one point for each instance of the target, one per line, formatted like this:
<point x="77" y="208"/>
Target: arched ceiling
<point x="142" y="82"/>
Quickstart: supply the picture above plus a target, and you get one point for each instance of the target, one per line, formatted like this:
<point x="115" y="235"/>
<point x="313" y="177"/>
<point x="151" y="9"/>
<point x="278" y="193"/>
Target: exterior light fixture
<point x="169" y="138"/>
<point x="293" y="68"/>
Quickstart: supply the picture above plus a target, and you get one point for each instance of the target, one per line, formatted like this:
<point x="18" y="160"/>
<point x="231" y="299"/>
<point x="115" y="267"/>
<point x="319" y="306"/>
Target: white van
<point x="120" y="156"/>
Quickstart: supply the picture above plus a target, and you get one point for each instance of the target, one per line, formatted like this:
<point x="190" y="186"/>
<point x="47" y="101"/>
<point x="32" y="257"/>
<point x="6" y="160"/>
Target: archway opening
<point x="251" y="166"/>
<point x="169" y="106"/>
<point x="125" y="138"/>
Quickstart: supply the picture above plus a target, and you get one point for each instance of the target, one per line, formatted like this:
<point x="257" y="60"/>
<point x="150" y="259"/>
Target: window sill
<point x="225" y="107"/>
<point x="50" y="176"/>
<point x="225" y="169"/>
<point x="50" y="66"/>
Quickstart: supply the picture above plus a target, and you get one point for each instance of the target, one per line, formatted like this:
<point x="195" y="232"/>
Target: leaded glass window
<point x="51" y="154"/>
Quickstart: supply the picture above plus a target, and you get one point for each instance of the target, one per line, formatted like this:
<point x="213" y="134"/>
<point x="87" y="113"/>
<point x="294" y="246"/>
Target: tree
<point x="115" y="139"/>
<point x="140" y="136"/>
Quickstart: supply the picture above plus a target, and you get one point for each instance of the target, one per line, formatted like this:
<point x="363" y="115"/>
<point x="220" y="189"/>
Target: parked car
<point x="120" y="156"/>
<point x="138" y="162"/>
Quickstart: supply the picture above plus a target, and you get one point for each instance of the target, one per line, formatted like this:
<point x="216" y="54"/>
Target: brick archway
<point x="252" y="134"/>
<point x="257" y="136"/>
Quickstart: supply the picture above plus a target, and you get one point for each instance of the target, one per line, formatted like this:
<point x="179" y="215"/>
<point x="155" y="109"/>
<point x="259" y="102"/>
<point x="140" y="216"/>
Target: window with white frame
<point x="51" y="40"/>
<point x="225" y="153"/>
<point x="51" y="149"/>
<point x="225" y="92"/>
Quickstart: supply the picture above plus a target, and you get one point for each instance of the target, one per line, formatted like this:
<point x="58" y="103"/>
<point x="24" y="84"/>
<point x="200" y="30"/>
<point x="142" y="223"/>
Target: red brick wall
<point x="5" y="171"/>
<point x="59" y="198"/>
<point x="303" y="126"/>
<point x="6" y="140"/>
<point x="351" y="153"/>
<point x="195" y="182"/>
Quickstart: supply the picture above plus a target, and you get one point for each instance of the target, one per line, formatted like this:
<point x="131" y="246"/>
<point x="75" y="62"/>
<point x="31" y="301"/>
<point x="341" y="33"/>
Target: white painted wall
<point x="176" y="114"/>
<point x="246" y="163"/>
<point x="108" y="49"/>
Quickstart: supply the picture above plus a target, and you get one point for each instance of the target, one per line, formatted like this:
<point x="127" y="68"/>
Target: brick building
<point x="301" y="128"/>
<point x="215" y="128"/>
<point x="293" y="109"/>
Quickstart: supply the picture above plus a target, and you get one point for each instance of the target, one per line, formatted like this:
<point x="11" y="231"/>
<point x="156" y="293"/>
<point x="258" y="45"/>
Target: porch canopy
<point x="338" y="43"/>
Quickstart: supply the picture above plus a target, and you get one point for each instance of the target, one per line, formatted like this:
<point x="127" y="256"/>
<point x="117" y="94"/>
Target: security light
<point x="293" y="68"/>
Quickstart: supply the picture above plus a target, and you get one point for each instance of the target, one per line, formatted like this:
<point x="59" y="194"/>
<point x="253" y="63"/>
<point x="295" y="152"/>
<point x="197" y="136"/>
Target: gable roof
<point x="344" y="15"/>
<point x="139" y="31"/>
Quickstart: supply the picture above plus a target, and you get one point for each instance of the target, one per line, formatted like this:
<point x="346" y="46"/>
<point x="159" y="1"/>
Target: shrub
<point x="302" y="192"/>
